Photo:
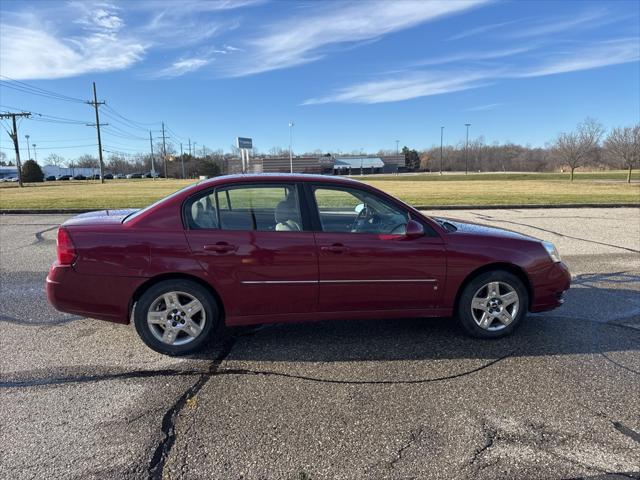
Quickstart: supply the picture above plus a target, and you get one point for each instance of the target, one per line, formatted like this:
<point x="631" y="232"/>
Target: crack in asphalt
<point x="163" y="449"/>
<point x="39" y="237"/>
<point x="490" y="436"/>
<point x="618" y="364"/>
<point x="38" y="323"/>
<point x="413" y="437"/>
<point x="99" y="378"/>
<point x="242" y="371"/>
<point x="492" y="219"/>
<point x="231" y="371"/>
<point x="623" y="429"/>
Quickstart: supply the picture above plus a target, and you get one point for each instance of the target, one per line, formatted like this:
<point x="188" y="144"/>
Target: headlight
<point x="552" y="251"/>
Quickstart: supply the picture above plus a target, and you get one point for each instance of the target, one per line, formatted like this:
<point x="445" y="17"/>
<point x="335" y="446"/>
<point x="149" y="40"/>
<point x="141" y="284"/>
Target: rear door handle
<point x="335" y="248"/>
<point x="220" y="247"/>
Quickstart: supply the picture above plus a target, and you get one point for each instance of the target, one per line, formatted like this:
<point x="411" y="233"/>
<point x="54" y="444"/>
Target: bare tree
<point x="624" y="144"/>
<point x="86" y="161"/>
<point x="55" y="160"/>
<point x="575" y="149"/>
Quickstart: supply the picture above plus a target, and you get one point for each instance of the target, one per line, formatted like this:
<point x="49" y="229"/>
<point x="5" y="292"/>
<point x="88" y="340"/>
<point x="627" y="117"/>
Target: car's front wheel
<point x="493" y="304"/>
<point x="176" y="317"/>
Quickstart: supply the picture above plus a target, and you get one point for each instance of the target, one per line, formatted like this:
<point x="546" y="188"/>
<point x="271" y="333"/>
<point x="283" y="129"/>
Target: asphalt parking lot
<point x="413" y="398"/>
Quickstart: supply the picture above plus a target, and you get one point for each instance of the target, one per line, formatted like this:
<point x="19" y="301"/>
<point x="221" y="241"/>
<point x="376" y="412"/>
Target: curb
<point x="526" y="206"/>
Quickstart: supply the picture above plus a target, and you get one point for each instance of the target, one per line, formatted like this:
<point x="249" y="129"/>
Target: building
<point x="325" y="164"/>
<point x="55" y="171"/>
<point x="9" y="172"/>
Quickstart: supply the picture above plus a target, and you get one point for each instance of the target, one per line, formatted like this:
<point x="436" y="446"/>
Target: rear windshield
<point x="133" y="215"/>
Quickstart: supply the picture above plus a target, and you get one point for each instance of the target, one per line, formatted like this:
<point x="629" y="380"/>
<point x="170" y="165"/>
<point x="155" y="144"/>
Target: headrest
<point x="285" y="210"/>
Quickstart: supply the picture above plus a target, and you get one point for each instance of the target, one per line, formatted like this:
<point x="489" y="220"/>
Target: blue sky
<point x="352" y="75"/>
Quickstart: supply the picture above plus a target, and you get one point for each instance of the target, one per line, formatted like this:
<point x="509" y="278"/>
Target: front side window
<point x="264" y="208"/>
<point x="349" y="210"/>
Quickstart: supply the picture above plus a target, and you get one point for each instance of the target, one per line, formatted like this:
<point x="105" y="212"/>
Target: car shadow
<point x="565" y="331"/>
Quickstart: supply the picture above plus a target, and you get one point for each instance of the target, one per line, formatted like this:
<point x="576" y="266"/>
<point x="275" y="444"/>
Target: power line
<point x="124" y="133"/>
<point x="133" y="122"/>
<point x="26" y="88"/>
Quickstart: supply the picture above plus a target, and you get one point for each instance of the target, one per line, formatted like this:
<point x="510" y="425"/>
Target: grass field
<point x="419" y="189"/>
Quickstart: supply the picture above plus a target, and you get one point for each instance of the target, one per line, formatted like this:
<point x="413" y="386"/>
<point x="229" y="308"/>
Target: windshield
<point x="137" y="213"/>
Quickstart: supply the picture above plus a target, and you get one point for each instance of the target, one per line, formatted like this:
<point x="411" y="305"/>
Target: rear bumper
<point x="549" y="290"/>
<point x="101" y="297"/>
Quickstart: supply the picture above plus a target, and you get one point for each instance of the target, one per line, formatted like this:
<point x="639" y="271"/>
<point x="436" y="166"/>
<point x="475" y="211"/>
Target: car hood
<point x="463" y="227"/>
<point x="101" y="217"/>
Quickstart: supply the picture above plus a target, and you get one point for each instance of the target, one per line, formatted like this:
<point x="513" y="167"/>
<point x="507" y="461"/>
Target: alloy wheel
<point x="176" y="318"/>
<point x="495" y="305"/>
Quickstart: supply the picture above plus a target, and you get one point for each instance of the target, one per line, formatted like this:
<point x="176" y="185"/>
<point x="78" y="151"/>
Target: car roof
<point x="279" y="177"/>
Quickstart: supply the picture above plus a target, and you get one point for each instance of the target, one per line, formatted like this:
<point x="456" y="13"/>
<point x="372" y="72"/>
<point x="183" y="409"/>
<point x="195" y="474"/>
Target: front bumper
<point x="550" y="288"/>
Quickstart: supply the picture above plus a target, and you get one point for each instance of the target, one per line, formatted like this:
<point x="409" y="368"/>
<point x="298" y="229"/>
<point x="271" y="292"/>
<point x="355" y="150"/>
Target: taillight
<point x="66" y="249"/>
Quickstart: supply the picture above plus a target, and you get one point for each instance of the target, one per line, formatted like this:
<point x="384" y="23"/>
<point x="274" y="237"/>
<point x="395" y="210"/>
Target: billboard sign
<point x="244" y="142"/>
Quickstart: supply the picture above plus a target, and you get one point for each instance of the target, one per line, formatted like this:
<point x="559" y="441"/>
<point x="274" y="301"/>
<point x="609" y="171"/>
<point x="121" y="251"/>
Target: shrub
<point x="31" y="172"/>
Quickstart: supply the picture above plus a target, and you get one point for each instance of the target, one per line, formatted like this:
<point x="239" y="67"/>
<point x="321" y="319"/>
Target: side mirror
<point x="414" y="230"/>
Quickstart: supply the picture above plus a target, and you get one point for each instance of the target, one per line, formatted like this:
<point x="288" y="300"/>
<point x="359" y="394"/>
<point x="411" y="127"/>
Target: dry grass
<point x="458" y="191"/>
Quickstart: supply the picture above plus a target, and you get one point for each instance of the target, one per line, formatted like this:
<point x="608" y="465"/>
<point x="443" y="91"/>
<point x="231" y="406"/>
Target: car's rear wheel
<point x="493" y="304"/>
<point x="176" y="317"/>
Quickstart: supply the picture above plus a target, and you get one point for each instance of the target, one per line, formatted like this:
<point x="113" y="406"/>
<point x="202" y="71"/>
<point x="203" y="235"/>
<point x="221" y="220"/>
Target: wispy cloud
<point x="612" y="52"/>
<point x="77" y="37"/>
<point x="182" y="67"/>
<point x="482" y="108"/>
<point x="304" y="38"/>
<point x="422" y="83"/>
<point x="418" y="84"/>
<point x="588" y="19"/>
<point x="482" y="29"/>
<point x="33" y="51"/>
<point x="474" y="56"/>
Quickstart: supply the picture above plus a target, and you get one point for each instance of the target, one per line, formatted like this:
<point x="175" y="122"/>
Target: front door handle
<point x="335" y="248"/>
<point x="220" y="247"/>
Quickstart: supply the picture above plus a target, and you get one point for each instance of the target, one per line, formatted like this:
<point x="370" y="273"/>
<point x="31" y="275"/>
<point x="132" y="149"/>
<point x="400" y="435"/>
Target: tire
<point x="176" y="317"/>
<point x="502" y="300"/>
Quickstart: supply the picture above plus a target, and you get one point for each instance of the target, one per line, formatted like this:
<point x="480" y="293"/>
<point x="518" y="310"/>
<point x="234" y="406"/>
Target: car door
<point x="365" y="261"/>
<point x="261" y="264"/>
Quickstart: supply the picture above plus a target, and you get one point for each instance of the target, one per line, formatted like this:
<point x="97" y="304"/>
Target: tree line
<point x="587" y="145"/>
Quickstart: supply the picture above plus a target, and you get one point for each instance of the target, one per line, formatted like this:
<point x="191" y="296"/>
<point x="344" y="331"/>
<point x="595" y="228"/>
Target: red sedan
<point x="249" y="249"/>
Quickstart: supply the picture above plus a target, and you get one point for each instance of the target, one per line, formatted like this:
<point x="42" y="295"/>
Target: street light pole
<point x="441" y="137"/>
<point x="35" y="155"/>
<point x="28" y="149"/>
<point x="291" y="146"/>
<point x="466" y="151"/>
<point x="397" y="147"/>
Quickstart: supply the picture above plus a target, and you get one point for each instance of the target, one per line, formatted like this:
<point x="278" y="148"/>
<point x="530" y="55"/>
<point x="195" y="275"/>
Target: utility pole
<point x="190" y="147"/>
<point x="96" y="104"/>
<point x="164" y="152"/>
<point x="35" y="154"/>
<point x="28" y="150"/>
<point x="441" y="137"/>
<point x="182" y="159"/>
<point x="466" y="151"/>
<point x="153" y="167"/>
<point x="195" y="152"/>
<point x="291" y="146"/>
<point x="14" y="136"/>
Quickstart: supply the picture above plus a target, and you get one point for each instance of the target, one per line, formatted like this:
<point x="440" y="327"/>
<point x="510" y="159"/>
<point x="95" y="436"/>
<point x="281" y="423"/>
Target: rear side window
<point x="263" y="208"/>
<point x="255" y="207"/>
<point x="201" y="212"/>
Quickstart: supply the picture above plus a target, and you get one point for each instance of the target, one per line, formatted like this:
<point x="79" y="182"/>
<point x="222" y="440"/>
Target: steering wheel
<point x="362" y="217"/>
